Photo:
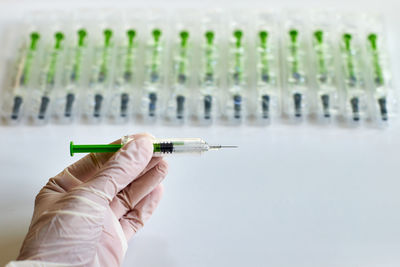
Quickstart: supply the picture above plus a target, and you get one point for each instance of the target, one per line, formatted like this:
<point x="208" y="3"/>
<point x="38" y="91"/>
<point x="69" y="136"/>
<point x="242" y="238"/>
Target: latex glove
<point x="85" y="215"/>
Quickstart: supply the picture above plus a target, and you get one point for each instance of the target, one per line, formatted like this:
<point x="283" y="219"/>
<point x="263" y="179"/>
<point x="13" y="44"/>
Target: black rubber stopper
<point x="68" y="105"/>
<point x="181" y="78"/>
<point x="297" y="104"/>
<point x="43" y="107"/>
<point x="237" y="106"/>
<point x="180" y="106"/>
<point x="98" y="99"/>
<point x="166" y="147"/>
<point x="124" y="104"/>
<point x="265" y="106"/>
<point x="325" y="105"/>
<point x="355" y="108"/>
<point x="383" y="108"/>
<point x="154" y="77"/>
<point x="265" y="77"/>
<point x="152" y="104"/>
<point x="127" y="76"/>
<point x="16" y="107"/>
<point x="207" y="106"/>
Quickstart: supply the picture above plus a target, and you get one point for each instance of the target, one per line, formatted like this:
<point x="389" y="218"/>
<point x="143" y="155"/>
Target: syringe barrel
<point x="161" y="147"/>
<point x="165" y="146"/>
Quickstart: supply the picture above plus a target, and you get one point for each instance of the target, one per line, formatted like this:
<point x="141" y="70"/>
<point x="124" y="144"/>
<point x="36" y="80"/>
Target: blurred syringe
<point x="161" y="147"/>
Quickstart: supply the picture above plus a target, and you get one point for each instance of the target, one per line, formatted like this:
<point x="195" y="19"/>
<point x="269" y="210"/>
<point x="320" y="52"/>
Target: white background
<point x="289" y="196"/>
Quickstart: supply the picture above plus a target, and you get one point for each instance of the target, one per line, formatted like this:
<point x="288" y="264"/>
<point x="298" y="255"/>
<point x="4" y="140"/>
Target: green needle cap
<point x="35" y="36"/>
<point x="293" y="35"/>
<point x="131" y="35"/>
<point x="59" y="37"/>
<point x="263" y="36"/>
<point x="184" y="37"/>
<point x="372" y="38"/>
<point x="81" y="37"/>
<point x="210" y="37"/>
<point x="347" y="39"/>
<point x="319" y="35"/>
<point x="107" y="37"/>
<point x="156" y="34"/>
<point x="238" y="35"/>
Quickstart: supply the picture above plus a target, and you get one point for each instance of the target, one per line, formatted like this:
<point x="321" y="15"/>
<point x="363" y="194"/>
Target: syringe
<point x="74" y="76"/>
<point x="101" y="75"/>
<point x="209" y="75"/>
<point x="324" y="72"/>
<point x="23" y="74"/>
<point x="181" y="78"/>
<point x="354" y="84"/>
<point x="380" y="90"/>
<point x="237" y="73"/>
<point x="296" y="78"/>
<point x="50" y="74"/>
<point x="161" y="147"/>
<point x="153" y="67"/>
<point x="124" y="75"/>
<point x="264" y="76"/>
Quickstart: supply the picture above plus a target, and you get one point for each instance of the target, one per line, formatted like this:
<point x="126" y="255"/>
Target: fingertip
<point x="143" y="144"/>
<point x="142" y="135"/>
<point x="162" y="167"/>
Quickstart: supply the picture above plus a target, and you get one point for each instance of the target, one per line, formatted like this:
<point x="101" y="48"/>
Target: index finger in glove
<point x="121" y="169"/>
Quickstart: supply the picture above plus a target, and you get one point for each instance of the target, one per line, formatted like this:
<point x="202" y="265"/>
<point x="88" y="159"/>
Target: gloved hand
<point x="85" y="215"/>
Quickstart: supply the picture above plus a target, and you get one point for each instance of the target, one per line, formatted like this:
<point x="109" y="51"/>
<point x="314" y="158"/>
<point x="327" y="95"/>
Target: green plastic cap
<point x="293" y="35"/>
<point x="209" y="36"/>
<point x="156" y="34"/>
<point x="319" y="35"/>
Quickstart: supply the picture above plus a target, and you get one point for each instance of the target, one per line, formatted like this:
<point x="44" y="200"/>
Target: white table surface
<point x="290" y="196"/>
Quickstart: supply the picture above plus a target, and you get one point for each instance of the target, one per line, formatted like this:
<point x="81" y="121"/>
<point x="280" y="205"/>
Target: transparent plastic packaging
<point x="50" y="65"/>
<point x="154" y="73"/>
<point x="180" y="76"/>
<point x="65" y="104"/>
<point x="355" y="108"/>
<point x="294" y="59"/>
<point x="268" y="96"/>
<point x="102" y="59"/>
<point x="323" y="66"/>
<point x="23" y="76"/>
<point x="208" y="80"/>
<point x="383" y="97"/>
<point x="234" y="109"/>
<point x="121" y="94"/>
<point x="198" y="67"/>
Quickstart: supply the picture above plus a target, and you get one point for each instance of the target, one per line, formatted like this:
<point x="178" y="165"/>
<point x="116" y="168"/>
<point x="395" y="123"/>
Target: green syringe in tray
<point x="355" y="91"/>
<point x="161" y="147"/>
<point x="181" y="74"/>
<point x="296" y="78"/>
<point x="102" y="69"/>
<point x="50" y="73"/>
<point x="153" y="71"/>
<point x="380" y="92"/>
<point x="237" y="73"/>
<point x="74" y="76"/>
<point x="23" y="74"/>
<point x="264" y="73"/>
<point x="208" y="83"/>
<point x="124" y="74"/>
<point x="323" y="72"/>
